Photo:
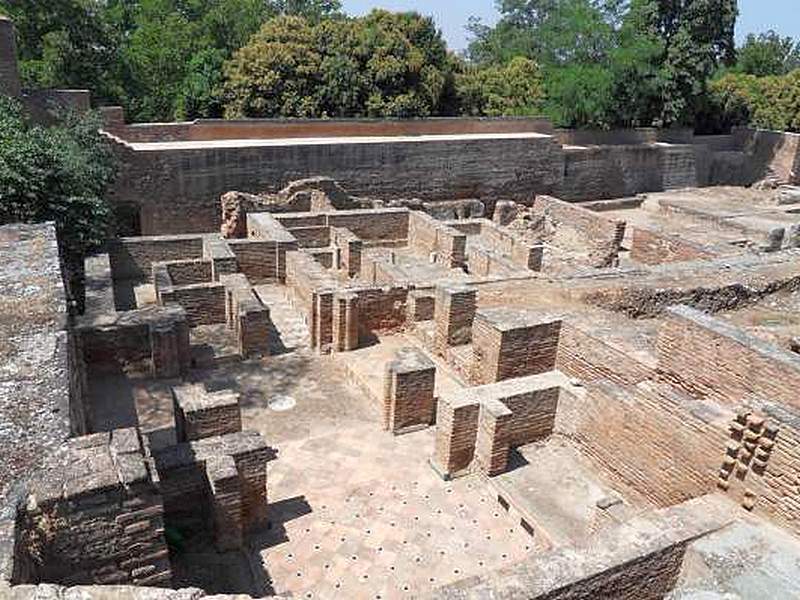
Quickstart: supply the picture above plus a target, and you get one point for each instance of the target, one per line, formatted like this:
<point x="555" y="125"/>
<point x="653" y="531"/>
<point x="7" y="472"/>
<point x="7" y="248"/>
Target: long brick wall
<point x="133" y="258"/>
<point x="652" y="248"/>
<point x="712" y="359"/>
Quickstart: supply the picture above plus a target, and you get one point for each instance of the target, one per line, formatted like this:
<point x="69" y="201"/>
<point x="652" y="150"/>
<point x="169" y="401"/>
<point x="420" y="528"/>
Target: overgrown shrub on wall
<point x="771" y="102"/>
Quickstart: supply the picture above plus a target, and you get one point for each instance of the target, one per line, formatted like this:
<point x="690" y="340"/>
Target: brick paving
<point x="367" y="517"/>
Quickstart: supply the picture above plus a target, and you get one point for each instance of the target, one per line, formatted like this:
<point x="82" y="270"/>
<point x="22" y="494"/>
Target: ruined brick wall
<point x="188" y="272"/>
<point x="712" y="359"/>
<point x="456" y="432"/>
<point x="381" y="308"/>
<point x="504" y="353"/>
<point x="193" y="180"/>
<point x="258" y="260"/>
<point x="372" y="225"/>
<point x="589" y="358"/>
<point x="651" y="248"/>
<point x="312" y="237"/>
<point x="603" y="235"/>
<point x="664" y="445"/>
<point x="132" y="258"/>
<point x="204" y="303"/>
<point x="769" y="153"/>
<point x="427" y="236"/>
<point x="106" y="525"/>
<point x="408" y="391"/>
<point x="533" y="415"/>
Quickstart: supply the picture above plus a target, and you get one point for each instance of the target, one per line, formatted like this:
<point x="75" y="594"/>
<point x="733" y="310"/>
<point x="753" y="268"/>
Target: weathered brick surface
<point x="456" y="432"/>
<point x="430" y="237"/>
<point x="98" y="285"/>
<point x="97" y="516"/>
<point x="204" y="303"/>
<point x="653" y="248"/>
<point x="454" y="314"/>
<point x="409" y="400"/>
<point x="226" y="502"/>
<point x="257" y="259"/>
<point x="200" y="414"/>
<point x="188" y="272"/>
<point x="508" y="344"/>
<point x="712" y="359"/>
<point x="492" y="440"/>
<point x="348" y="248"/>
<point x="132" y="258"/>
<point x="346" y="323"/>
<point x="421" y="305"/>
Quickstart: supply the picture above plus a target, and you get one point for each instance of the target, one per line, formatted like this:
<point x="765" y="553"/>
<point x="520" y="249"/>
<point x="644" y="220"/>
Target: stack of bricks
<point x="508" y="344"/>
<point x="453" y="316"/>
<point x="346" y="322"/>
<point x="200" y="413"/>
<point x="409" y="382"/>
<point x="97" y="516"/>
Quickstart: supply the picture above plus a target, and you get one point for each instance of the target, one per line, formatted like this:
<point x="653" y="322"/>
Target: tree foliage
<point x="58" y="173"/>
<point x="771" y="102"/>
<point x="514" y="89"/>
<point x="768" y="54"/>
<point x="382" y="65"/>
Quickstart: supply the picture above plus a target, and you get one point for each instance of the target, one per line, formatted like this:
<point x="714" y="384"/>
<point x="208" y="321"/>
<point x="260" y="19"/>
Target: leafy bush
<point x="771" y="102"/>
<point x="59" y="173"/>
<point x="514" y="89"/>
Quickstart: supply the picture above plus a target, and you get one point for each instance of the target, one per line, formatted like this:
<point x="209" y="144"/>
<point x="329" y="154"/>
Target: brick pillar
<point x="9" y="74"/>
<point x="346" y="322"/>
<point x="409" y="401"/>
<point x="226" y="502"/>
<point x="164" y="351"/>
<point x="252" y="468"/>
<point x="456" y="432"/>
<point x="454" y="313"/>
<point x="492" y="441"/>
<point x="323" y="321"/>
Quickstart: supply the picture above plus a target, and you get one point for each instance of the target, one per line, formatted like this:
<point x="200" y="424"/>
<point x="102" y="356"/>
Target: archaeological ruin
<point x="445" y="358"/>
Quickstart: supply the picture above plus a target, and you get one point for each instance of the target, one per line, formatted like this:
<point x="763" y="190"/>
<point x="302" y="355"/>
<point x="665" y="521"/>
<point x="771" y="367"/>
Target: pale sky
<point x="755" y="16"/>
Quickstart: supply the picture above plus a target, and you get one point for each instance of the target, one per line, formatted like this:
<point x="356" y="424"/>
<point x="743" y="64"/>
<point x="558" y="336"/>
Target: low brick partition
<point x="204" y="303"/>
<point x="483" y="423"/>
<point x="513" y="343"/>
<point x="453" y="315"/>
<point x="346" y="321"/>
<point x="132" y="258"/>
<point x="152" y="341"/>
<point x="653" y="248"/>
<point x="348" y="250"/>
<point x="184" y="479"/>
<point x="246" y="316"/>
<point x="312" y="288"/>
<point x="499" y="246"/>
<point x="188" y="271"/>
<point x="421" y="305"/>
<point x="434" y="238"/>
<point x="408" y="402"/>
<point x="223" y="260"/>
<point x="603" y="236"/>
<point x="201" y="414"/>
<point x="94" y="517"/>
<point x="636" y="560"/>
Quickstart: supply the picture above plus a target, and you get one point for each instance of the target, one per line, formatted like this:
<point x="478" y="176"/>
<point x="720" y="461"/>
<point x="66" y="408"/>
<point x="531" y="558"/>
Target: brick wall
<point x="201" y="414"/>
<point x="713" y="359"/>
<point x="602" y="235"/>
<point x="258" y="260"/>
<point x="98" y="285"/>
<point x="456" y="432"/>
<point x="508" y="344"/>
<point x="664" y="445"/>
<point x="651" y="248"/>
<point x="381" y="309"/>
<point x="99" y="518"/>
<point x="589" y="358"/>
<point x="204" y="303"/>
<point x="409" y="385"/>
<point x="132" y="258"/>
<point x="453" y="316"/>
<point x="194" y="179"/>
<point x="348" y="247"/>
<point x="188" y="272"/>
<point x="428" y="236"/>
<point x="312" y="237"/>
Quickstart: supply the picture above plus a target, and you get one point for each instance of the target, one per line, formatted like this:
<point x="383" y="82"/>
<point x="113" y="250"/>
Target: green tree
<point x="200" y="95"/>
<point x="768" y="54"/>
<point x="384" y="64"/>
<point x="771" y="102"/>
<point x="515" y="89"/>
<point x="59" y="173"/>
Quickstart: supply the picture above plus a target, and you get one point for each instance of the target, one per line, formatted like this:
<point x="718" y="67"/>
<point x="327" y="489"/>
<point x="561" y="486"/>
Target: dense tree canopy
<point x="768" y="54"/>
<point x="57" y="173"/>
<point x="382" y="65"/>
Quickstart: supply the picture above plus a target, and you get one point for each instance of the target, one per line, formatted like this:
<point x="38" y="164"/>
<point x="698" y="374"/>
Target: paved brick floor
<point x="359" y="513"/>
